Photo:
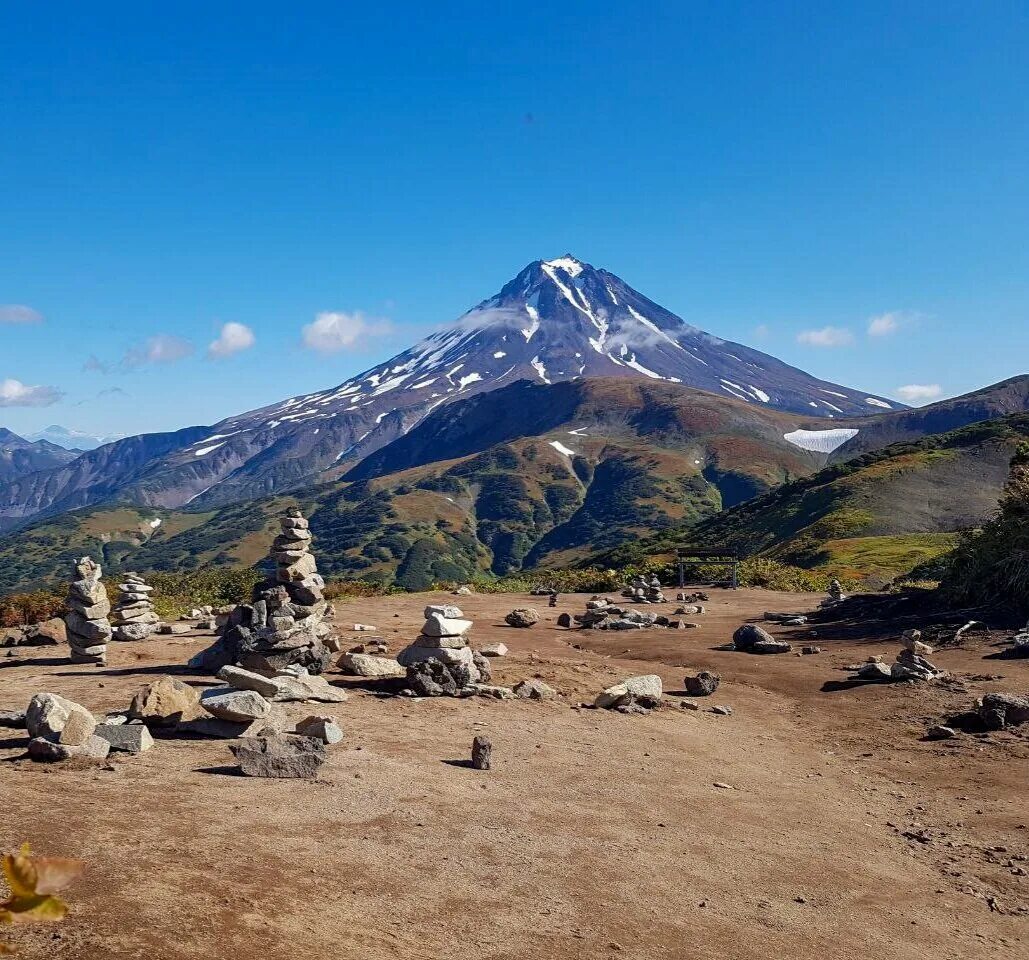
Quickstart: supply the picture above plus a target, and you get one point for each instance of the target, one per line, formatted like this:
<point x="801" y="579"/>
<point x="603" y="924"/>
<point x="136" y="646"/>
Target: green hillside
<point x="877" y="516"/>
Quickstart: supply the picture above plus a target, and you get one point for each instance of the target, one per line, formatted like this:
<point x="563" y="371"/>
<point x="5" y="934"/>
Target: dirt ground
<point x="813" y="822"/>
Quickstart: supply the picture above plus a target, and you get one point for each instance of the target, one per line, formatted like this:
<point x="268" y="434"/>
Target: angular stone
<point x="769" y="646"/>
<point x="703" y="684"/>
<point x="47" y="751"/>
<point x="482" y="753"/>
<point x="494" y="650"/>
<point x="13" y="719"/>
<point x="749" y="634"/>
<point x="134" y="631"/>
<point x="241" y="679"/>
<point x="522" y="617"/>
<point x="534" y="690"/>
<point x="90" y="611"/>
<point x="240" y="706"/>
<point x="365" y="665"/>
<point x="321" y="728"/>
<point x="54" y="718"/>
<point x="92" y="630"/>
<point x="174" y="629"/>
<point x="166" y="702"/>
<point x="437" y="625"/>
<point x="447" y="611"/>
<point x="873" y="671"/>
<point x="126" y="738"/>
<point x="283" y="755"/>
<point x="449" y="643"/>
<point x="417" y="654"/>
<point x="212" y="728"/>
<point x="645" y="690"/>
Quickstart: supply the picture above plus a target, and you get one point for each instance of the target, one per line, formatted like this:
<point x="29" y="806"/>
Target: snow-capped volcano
<point x="557" y="320"/>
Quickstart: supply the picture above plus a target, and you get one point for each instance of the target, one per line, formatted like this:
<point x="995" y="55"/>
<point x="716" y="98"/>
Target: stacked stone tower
<point x="285" y="624"/>
<point x="134" y="617"/>
<point x="86" y="620"/>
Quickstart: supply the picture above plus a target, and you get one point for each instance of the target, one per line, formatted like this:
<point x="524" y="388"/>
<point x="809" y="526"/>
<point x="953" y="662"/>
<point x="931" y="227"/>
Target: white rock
<point x="494" y="650"/>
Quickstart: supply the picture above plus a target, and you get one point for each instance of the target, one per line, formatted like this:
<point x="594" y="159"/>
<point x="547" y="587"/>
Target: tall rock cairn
<point x="134" y="617"/>
<point x="285" y="625"/>
<point x="86" y="620"/>
<point x="440" y="661"/>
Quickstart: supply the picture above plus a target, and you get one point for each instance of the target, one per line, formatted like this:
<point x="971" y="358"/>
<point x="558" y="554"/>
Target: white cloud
<point x="19" y="313"/>
<point x="884" y="325"/>
<point x="826" y="337"/>
<point x="919" y="392"/>
<point x="14" y="393"/>
<point x="331" y="332"/>
<point x="762" y="331"/>
<point x="234" y="338"/>
<point x="161" y="348"/>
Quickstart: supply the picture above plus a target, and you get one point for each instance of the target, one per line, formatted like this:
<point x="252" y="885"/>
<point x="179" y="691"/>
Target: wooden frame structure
<point x="728" y="558"/>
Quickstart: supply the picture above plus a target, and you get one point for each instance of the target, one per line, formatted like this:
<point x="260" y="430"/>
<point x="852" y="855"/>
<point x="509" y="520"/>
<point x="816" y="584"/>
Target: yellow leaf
<point x="33" y="882"/>
<point x="20" y="873"/>
<point x="55" y="873"/>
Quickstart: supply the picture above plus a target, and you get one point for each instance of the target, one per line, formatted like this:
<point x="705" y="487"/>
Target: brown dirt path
<point x="595" y="834"/>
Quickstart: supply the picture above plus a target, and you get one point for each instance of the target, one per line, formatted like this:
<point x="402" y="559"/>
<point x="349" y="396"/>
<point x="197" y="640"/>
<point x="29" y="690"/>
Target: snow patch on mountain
<point x="820" y="441"/>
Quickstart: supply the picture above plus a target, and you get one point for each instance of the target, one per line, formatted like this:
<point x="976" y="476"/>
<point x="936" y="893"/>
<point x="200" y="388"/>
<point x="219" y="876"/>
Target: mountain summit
<point x="557" y="320"/>
<point x="562" y="319"/>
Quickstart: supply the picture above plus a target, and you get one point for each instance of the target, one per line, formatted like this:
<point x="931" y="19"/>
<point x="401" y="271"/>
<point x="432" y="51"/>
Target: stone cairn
<point x="912" y="663"/>
<point x="133" y="617"/>
<point x="602" y="614"/>
<point x="836" y="594"/>
<point x="644" y="591"/>
<point x="440" y="662"/>
<point x="86" y="621"/>
<point x="285" y="624"/>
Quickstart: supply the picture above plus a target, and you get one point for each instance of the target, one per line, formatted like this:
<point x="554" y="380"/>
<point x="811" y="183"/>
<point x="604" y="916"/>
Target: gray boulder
<point x="280" y="755"/>
<point x="522" y="617"/>
<point x="320" y="728"/>
<point x="645" y="691"/>
<point x="54" y="718"/>
<point x="533" y="690"/>
<point x="749" y="634"/>
<point x="241" y="706"/>
<point x="47" y="751"/>
<point x="703" y="684"/>
<point x="126" y="737"/>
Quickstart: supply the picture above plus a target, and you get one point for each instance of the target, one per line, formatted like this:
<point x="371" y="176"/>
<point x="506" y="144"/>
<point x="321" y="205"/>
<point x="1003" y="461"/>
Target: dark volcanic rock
<point x="281" y="755"/>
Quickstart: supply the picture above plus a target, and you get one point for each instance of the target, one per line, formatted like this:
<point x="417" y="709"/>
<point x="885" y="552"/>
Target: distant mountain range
<point x="71" y="439"/>
<point x="566" y="417"/>
<point x="557" y="320"/>
<point x="20" y="456"/>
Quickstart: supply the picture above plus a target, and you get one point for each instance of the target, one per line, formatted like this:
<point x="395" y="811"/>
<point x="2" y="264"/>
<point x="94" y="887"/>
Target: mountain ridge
<point x="555" y="321"/>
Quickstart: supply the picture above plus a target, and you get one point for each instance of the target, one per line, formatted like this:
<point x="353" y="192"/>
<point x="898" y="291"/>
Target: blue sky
<point x="779" y="174"/>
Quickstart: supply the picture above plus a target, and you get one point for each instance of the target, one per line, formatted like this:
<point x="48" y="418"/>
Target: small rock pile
<point x="911" y="663"/>
<point x="1019" y="648"/>
<point x="88" y="628"/>
<point x="285" y="625"/>
<point x="836" y="594"/>
<point x="641" y="590"/>
<point x="133" y="616"/>
<point x="44" y="634"/>
<point x="60" y="729"/>
<point x="750" y="638"/>
<point x="602" y="614"/>
<point x="440" y="662"/>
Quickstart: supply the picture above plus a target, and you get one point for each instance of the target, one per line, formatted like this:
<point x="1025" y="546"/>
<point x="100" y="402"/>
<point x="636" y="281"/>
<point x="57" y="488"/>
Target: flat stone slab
<point x="126" y="737"/>
<point x="241" y="706"/>
<point x="282" y="755"/>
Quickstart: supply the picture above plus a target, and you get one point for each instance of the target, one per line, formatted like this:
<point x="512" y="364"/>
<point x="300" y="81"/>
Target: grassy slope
<point x="646" y="459"/>
<point x="879" y="515"/>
